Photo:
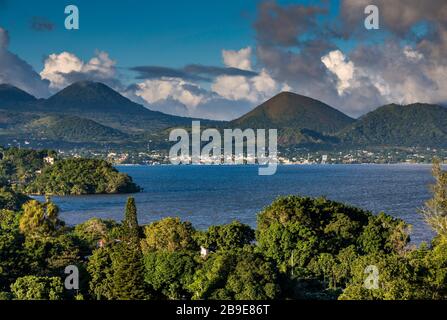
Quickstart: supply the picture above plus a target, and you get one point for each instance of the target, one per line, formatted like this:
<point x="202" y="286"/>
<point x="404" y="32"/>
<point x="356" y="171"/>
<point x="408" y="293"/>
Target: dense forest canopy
<point x="81" y="176"/>
<point x="303" y="248"/>
<point x="44" y="173"/>
<point x="20" y="166"/>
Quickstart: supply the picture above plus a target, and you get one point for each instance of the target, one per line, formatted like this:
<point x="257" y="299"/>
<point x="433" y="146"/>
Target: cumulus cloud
<point x="402" y="75"/>
<point x="238" y="59"/>
<point x="255" y="89"/>
<point x="66" y="68"/>
<point x="58" y="65"/>
<point x="336" y="62"/>
<point x="404" y="62"/>
<point x="290" y="45"/>
<point x="17" y="72"/>
<point x="233" y="89"/>
<point x="175" y="89"/>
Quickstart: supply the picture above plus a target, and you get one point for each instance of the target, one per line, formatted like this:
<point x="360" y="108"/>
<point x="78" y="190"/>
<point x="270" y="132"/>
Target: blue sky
<point x="135" y="32"/>
<point x="171" y="33"/>
<point x="316" y="48"/>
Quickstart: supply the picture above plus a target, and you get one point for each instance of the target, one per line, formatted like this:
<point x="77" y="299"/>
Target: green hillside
<point x="81" y="176"/>
<point x="300" y="120"/>
<point x="290" y="110"/>
<point x="11" y="96"/>
<point x="20" y="166"/>
<point x="56" y="128"/>
<point x="89" y="114"/>
<point x="73" y="129"/>
<point x="98" y="102"/>
<point x="94" y="101"/>
<point x="15" y="121"/>
<point x="422" y="125"/>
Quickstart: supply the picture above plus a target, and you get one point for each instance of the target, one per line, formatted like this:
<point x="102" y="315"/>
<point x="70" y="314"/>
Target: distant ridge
<point x="73" y="129"/>
<point x="419" y="124"/>
<point x="95" y="101"/>
<point x="11" y="96"/>
<point x="88" y="96"/>
<point x="87" y="112"/>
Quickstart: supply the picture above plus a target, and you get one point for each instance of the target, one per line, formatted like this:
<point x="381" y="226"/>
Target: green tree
<point x="13" y="260"/>
<point x="169" y="234"/>
<point x="50" y="255"/>
<point x="128" y="272"/>
<point x="37" y="288"/>
<point x="11" y="200"/>
<point x="117" y="273"/>
<point x="293" y="230"/>
<point x="99" y="268"/>
<point x="240" y="274"/>
<point x="435" y="209"/>
<point x="92" y="231"/>
<point x="433" y="269"/>
<point x="40" y="219"/>
<point x="130" y="223"/>
<point x="170" y="273"/>
<point x="226" y="237"/>
<point x="396" y="279"/>
<point x="384" y="234"/>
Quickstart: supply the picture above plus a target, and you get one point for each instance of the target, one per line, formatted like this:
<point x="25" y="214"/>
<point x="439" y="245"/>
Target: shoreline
<point x="279" y="164"/>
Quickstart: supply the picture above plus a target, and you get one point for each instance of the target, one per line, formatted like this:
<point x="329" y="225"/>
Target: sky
<point x="219" y="59"/>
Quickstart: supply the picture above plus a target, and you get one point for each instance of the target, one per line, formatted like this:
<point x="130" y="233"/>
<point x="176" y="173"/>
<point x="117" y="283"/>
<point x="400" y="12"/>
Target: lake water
<point x="209" y="195"/>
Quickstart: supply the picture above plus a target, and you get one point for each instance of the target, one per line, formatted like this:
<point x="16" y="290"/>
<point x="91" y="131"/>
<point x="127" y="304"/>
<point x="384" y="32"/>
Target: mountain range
<point x="93" y="114"/>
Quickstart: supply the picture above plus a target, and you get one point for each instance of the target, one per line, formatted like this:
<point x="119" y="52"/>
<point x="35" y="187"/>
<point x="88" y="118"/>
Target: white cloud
<point x="153" y="91"/>
<point x="233" y="88"/>
<point x="56" y="65"/>
<point x="253" y="89"/>
<point x="238" y="59"/>
<point x="264" y="83"/>
<point x="168" y="92"/>
<point x="101" y="64"/>
<point x="398" y="75"/>
<point x="59" y="67"/>
<point x="336" y="62"/>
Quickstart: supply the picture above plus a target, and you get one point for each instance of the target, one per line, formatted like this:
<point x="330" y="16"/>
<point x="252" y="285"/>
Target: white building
<point x="204" y="252"/>
<point x="49" y="160"/>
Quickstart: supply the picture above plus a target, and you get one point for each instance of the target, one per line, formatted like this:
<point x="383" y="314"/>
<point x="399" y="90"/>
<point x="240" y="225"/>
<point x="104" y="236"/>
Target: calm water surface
<point x="207" y="195"/>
